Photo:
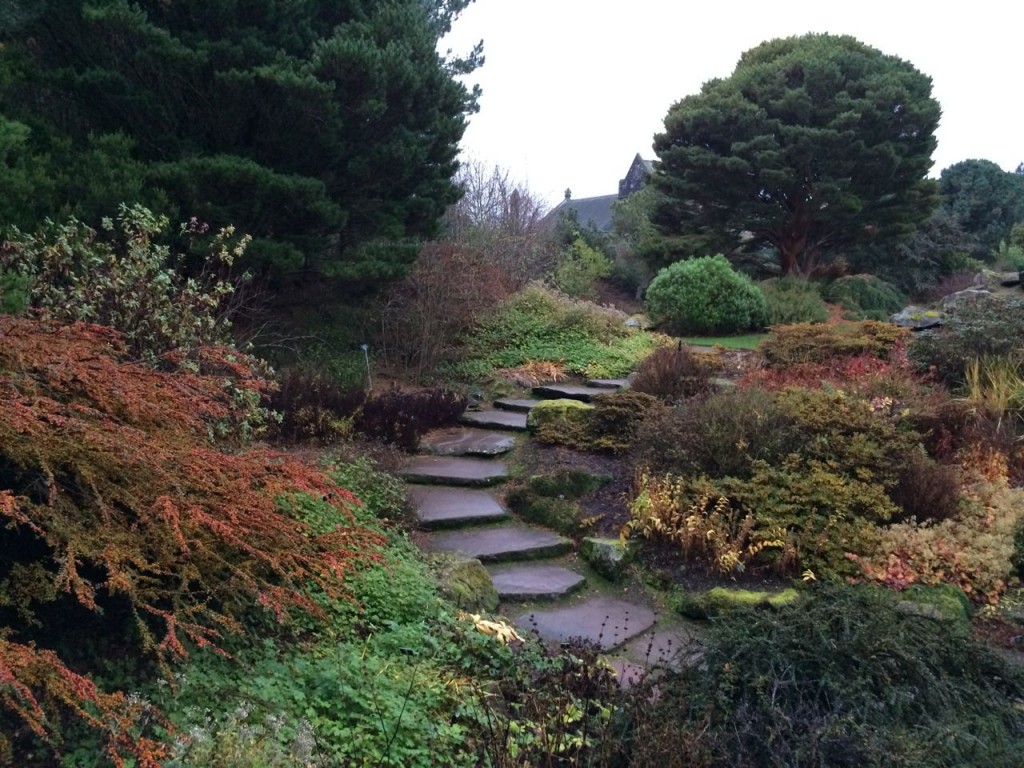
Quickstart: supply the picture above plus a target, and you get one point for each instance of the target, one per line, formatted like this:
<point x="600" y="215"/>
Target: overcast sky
<point x="573" y="89"/>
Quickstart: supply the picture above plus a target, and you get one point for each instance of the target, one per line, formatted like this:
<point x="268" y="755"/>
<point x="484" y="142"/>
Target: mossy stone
<point x="609" y="557"/>
<point x="467" y="584"/>
<point x="703" y="605"/>
<point x="943" y="602"/>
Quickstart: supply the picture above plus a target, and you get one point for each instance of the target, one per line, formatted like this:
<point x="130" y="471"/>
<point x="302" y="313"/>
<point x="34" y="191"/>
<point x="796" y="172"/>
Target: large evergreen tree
<point x="984" y="200"/>
<point x="812" y="145"/>
<point x="327" y="130"/>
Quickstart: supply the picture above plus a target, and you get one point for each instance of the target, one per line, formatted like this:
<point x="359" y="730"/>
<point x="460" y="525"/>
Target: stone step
<point x="463" y="441"/>
<point x="437" y="506"/>
<point x="495" y="419"/>
<point x="502" y="543"/>
<point x="568" y="391"/>
<point x="605" y="622"/>
<point x="454" y="470"/>
<point x="534" y="581"/>
<point x="608" y="383"/>
<point x="520" y="405"/>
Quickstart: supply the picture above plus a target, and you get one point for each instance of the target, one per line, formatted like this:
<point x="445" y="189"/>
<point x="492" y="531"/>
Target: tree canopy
<point x="813" y="144"/>
<point x="328" y="131"/>
<point x="984" y="200"/>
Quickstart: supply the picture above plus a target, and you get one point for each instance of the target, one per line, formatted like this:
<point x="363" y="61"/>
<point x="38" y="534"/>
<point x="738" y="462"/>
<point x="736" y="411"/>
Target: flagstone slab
<point x="454" y="470"/>
<point x="495" y="419"/>
<point x="662" y="647"/>
<point x="505" y="542"/>
<point x="535" y="581"/>
<point x="608" y="383"/>
<point x="438" y="506"/>
<point x="605" y="622"/>
<point x="467" y="442"/>
<point x="569" y="392"/>
<point x="521" y="405"/>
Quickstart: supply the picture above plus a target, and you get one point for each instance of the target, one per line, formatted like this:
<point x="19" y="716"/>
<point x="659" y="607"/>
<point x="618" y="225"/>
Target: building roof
<point x="593" y="212"/>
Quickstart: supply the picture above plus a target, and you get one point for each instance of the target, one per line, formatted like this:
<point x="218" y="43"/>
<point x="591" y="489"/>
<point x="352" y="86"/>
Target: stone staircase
<point x="539" y="582"/>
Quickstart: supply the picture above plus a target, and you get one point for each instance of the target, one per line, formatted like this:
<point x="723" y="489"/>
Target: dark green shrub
<point x="571" y="483"/>
<point x="717" y="435"/>
<point x="14" y="292"/>
<point x="806" y="343"/>
<point x="313" y="406"/>
<point x="402" y="418"/>
<point x="671" y="374"/>
<point x="793" y="300"/>
<point x="705" y="296"/>
<point x="973" y="328"/>
<point x="841" y="677"/>
<point x="865" y="297"/>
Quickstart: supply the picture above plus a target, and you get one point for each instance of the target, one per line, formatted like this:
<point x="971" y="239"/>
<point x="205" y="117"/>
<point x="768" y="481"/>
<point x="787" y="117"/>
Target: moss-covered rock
<point x="467" y="584"/>
<point x="560" y="422"/>
<point x="943" y="602"/>
<point x="567" y="483"/>
<point x="559" y="514"/>
<point x="609" y="557"/>
<point x="703" y="605"/>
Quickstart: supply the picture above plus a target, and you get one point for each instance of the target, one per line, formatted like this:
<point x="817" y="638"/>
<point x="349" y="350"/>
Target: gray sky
<point x="573" y="89"/>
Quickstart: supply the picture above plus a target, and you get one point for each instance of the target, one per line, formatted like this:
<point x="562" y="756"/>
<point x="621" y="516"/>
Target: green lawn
<point x="748" y="341"/>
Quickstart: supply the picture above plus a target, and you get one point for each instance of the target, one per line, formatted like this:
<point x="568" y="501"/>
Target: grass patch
<point x="745" y="341"/>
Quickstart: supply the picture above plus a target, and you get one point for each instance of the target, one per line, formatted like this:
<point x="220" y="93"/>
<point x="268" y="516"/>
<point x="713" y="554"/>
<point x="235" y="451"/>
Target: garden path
<point x="453" y="485"/>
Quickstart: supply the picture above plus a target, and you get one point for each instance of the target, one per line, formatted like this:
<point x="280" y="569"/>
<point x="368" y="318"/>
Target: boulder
<point x="467" y="584"/>
<point x="918" y="318"/>
<point x="968" y="294"/>
<point x="609" y="557"/>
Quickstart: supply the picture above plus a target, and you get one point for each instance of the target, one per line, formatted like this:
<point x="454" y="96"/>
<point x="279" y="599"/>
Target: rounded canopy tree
<point x="814" y="144"/>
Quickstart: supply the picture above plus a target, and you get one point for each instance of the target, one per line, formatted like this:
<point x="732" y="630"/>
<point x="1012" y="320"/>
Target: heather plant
<point x="123" y="277"/>
<point x="705" y="296"/>
<point x="720" y="434"/>
<point x="791" y="300"/>
<point x="671" y="374"/>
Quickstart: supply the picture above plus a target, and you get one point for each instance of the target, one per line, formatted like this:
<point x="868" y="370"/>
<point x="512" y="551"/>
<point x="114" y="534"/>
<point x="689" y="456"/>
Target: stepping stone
<point x="608" y="383"/>
<point x="467" y="442"/>
<point x="535" y="582"/>
<point x="441" y="507"/>
<point x="663" y="647"/>
<point x="506" y="542"/>
<point x="606" y="622"/>
<point x="454" y="470"/>
<point x="515" y="404"/>
<point x="495" y="419"/>
<point x="569" y="391"/>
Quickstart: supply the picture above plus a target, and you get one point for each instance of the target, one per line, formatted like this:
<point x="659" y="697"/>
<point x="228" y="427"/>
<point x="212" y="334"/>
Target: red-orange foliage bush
<point x="114" y="493"/>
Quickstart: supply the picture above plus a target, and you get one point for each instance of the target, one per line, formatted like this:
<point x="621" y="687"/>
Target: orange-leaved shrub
<point x="123" y="513"/>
